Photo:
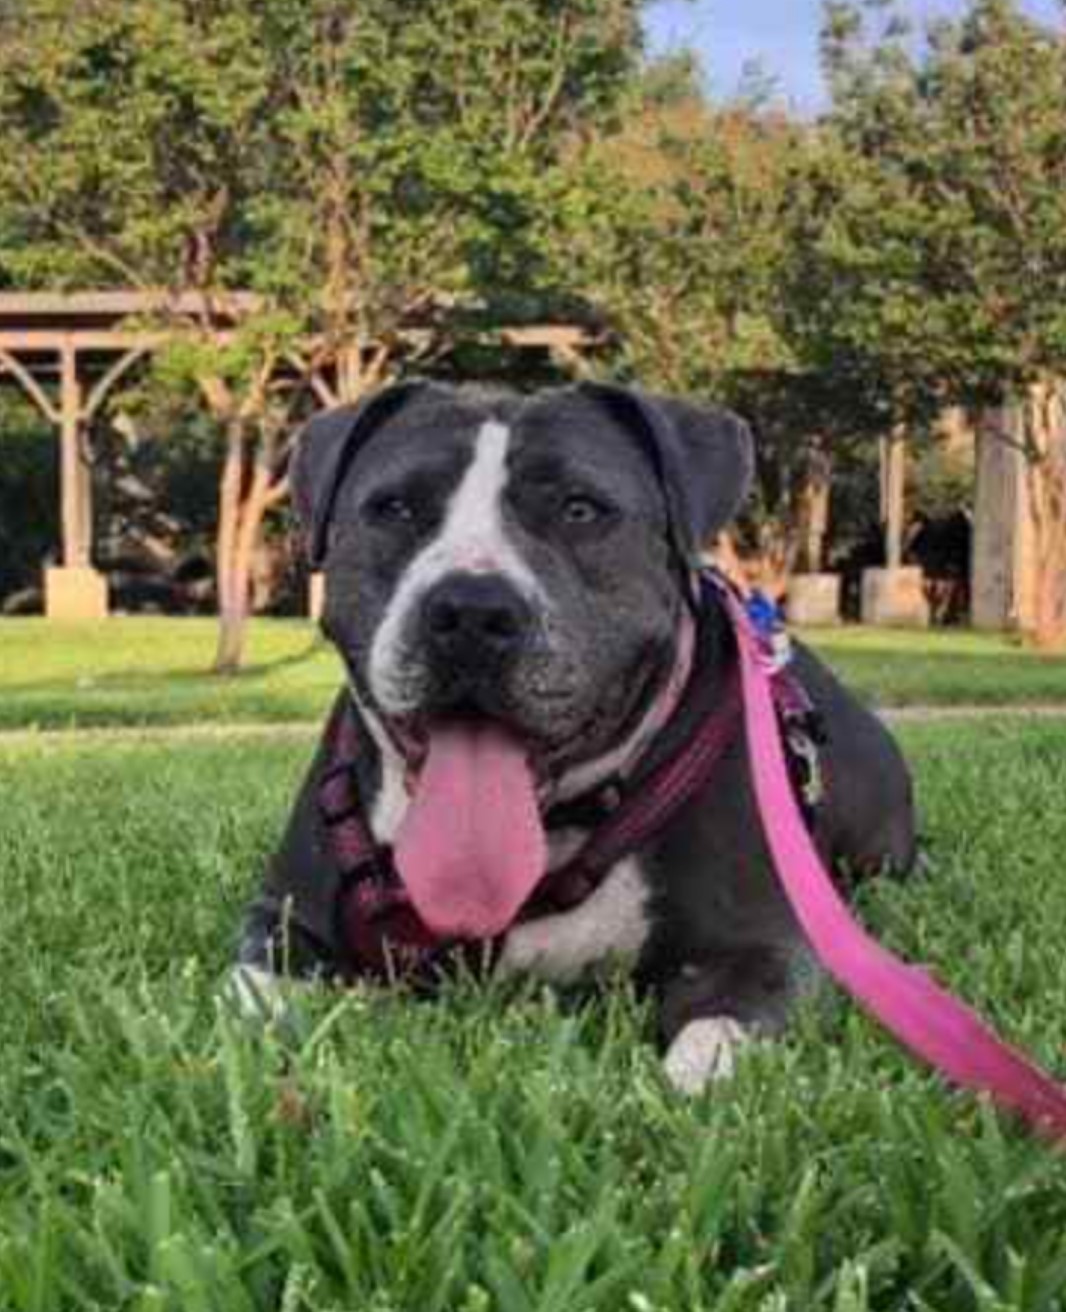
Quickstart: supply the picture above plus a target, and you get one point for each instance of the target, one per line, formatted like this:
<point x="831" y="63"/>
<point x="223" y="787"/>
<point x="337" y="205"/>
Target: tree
<point x="945" y="263"/>
<point x="694" y="255"/>
<point x="362" y="169"/>
<point x="135" y="135"/>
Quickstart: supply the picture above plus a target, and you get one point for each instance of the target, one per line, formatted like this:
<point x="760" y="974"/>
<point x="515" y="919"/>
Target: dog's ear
<point x="704" y="458"/>
<point x="324" y="453"/>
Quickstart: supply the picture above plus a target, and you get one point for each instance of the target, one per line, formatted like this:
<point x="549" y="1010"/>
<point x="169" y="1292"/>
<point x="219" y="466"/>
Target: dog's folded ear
<point x="324" y="453"/>
<point x="704" y="458"/>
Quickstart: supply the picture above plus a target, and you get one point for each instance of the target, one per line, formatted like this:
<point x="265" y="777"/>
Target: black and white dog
<point x="508" y="582"/>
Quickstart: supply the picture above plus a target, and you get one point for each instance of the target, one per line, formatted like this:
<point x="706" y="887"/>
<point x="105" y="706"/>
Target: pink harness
<point x="905" y="999"/>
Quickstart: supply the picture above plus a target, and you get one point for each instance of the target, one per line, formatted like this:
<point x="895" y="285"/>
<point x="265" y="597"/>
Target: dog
<point x="511" y="585"/>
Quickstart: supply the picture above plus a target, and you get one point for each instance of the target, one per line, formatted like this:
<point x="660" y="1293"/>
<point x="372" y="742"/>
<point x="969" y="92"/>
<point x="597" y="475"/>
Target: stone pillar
<point x="814" y="599"/>
<point x="894" y="597"/>
<point x="73" y="592"/>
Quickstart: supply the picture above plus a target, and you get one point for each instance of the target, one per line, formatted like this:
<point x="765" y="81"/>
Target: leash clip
<point x="804" y="752"/>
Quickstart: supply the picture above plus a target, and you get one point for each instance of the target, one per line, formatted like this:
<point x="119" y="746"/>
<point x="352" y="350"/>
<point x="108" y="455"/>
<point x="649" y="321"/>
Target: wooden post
<point x="74" y="591"/>
<point x="75" y="475"/>
<point x="893" y="484"/>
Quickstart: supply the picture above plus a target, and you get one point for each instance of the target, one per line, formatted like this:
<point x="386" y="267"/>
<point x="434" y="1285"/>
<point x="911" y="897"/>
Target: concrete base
<point x="894" y="597"/>
<point x="814" y="599"/>
<point x="74" y="593"/>
<point x="316" y="596"/>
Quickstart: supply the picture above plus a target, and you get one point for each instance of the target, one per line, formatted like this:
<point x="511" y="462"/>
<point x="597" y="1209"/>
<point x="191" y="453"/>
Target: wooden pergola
<point x="68" y="351"/>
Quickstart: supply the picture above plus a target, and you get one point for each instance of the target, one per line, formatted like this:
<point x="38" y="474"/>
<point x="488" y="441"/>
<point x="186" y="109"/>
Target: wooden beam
<point x="116" y="341"/>
<point x="125" y="304"/>
<point x="553" y="336"/>
<point x="117" y="371"/>
<point x="10" y="364"/>
<point x="101" y="340"/>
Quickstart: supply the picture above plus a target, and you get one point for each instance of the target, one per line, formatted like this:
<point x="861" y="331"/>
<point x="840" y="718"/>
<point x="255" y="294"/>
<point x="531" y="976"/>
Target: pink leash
<point x="905" y="999"/>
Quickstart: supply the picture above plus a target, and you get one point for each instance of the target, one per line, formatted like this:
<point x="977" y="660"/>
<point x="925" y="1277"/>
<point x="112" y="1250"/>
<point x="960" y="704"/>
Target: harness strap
<point x="644" y="810"/>
<point x="904" y="998"/>
<point x="636" y="817"/>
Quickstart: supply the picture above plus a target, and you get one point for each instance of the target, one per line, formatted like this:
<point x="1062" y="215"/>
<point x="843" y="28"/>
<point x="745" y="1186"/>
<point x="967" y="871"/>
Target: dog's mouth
<point x="471" y="849"/>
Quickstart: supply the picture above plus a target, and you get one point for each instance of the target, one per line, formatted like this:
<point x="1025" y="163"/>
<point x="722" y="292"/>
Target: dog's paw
<point x="548" y="948"/>
<point x="704" y="1051"/>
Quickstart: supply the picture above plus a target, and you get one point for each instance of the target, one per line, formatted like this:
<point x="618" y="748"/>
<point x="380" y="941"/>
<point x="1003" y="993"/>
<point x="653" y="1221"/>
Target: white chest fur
<point x="611" y="923"/>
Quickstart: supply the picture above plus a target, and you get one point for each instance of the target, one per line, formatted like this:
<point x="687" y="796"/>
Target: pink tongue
<point x="471" y="848"/>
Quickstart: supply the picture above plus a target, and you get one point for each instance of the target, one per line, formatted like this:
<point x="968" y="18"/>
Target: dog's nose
<point x="469" y="617"/>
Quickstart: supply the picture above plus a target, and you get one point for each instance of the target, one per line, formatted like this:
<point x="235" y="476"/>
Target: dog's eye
<point x="580" y="509"/>
<point x="392" y="510"/>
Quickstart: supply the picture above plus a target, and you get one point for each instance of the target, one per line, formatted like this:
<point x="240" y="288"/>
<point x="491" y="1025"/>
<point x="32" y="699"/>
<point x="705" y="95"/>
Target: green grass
<point x="154" y="672"/>
<point x="941" y="667"/>
<point x="495" y="1151"/>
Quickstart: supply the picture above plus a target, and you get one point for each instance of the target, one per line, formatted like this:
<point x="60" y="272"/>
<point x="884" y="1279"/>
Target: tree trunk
<point x="812" y="509"/>
<point x="232" y="604"/>
<point x="1045" y="417"/>
<point x="1049" y="628"/>
<point x="242" y="518"/>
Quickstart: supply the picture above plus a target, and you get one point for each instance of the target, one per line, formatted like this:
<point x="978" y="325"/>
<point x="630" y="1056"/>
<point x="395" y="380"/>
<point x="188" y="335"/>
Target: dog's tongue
<point x="471" y="848"/>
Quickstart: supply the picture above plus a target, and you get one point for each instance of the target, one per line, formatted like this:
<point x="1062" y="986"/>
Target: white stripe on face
<point x="471" y="539"/>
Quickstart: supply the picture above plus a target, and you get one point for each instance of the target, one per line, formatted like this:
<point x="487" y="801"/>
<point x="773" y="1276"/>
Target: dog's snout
<point x="472" y="616"/>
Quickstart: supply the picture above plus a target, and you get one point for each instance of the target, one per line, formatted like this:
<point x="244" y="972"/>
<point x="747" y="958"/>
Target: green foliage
<point x="29" y="490"/>
<point x="500" y="1149"/>
<point x="348" y="162"/>
<point x="362" y="169"/>
<point x="945" y="258"/>
<point x="130" y="134"/>
<point x="685" y="249"/>
<point x="701" y="253"/>
<point x="449" y="166"/>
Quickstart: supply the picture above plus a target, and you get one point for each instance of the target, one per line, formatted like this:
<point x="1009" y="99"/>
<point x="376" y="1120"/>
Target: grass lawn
<point x="940" y="667"/>
<point x="153" y="671"/>
<point x="472" y="1156"/>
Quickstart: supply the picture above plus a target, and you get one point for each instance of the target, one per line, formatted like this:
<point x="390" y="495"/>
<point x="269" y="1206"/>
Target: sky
<point x="781" y="34"/>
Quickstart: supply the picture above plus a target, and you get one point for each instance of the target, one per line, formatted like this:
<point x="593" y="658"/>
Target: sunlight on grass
<point x="156" y="671"/>
<point x="500" y="1148"/>
<point x="940" y="667"/>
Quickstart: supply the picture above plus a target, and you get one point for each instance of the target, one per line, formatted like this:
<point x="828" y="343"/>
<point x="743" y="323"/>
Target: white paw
<point x="256" y="994"/>
<point x="704" y="1051"/>
<point x="524" y="945"/>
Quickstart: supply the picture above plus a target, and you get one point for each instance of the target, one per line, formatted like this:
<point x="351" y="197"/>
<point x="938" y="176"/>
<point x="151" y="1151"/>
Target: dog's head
<point x="514" y="562"/>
